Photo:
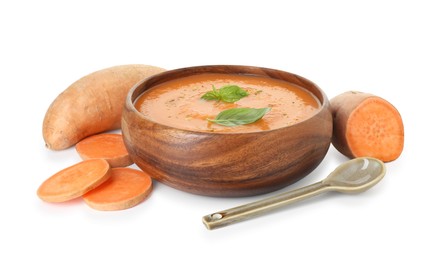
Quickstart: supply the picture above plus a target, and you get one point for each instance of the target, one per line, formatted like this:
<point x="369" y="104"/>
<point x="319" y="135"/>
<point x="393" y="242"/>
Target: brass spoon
<point x="354" y="176"/>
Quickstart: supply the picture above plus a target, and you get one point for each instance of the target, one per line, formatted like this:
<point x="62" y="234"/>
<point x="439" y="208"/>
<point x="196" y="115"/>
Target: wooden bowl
<point x="226" y="164"/>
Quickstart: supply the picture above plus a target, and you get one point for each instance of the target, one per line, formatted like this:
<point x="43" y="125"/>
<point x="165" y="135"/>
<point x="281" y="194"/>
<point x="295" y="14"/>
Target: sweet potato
<point x="74" y="181"/>
<point x="105" y="146"/>
<point x="366" y="125"/>
<point x="125" y="188"/>
<point x="91" y="105"/>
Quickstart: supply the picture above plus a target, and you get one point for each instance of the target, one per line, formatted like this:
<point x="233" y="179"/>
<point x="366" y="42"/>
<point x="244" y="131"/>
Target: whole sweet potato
<point x="91" y="105"/>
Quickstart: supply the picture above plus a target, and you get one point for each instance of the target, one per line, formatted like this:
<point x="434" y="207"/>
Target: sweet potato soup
<point x="179" y="103"/>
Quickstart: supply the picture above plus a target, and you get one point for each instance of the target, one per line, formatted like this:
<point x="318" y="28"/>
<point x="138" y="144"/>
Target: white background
<point x="389" y="48"/>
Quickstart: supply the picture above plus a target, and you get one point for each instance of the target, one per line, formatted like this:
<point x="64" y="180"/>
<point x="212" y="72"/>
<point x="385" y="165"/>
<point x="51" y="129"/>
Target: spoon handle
<point x="247" y="211"/>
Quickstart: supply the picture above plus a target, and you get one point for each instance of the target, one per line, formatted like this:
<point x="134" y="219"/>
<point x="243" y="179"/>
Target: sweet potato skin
<point x="345" y="106"/>
<point x="341" y="106"/>
<point x="91" y="105"/>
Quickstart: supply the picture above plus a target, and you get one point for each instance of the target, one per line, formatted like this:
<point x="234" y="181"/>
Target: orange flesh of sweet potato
<point x="106" y="146"/>
<point x="74" y="181"/>
<point x="125" y="188"/>
<point x="91" y="105"/>
<point x="366" y="125"/>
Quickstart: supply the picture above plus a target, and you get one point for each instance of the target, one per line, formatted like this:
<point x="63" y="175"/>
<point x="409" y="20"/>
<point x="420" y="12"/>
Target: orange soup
<point x="179" y="103"/>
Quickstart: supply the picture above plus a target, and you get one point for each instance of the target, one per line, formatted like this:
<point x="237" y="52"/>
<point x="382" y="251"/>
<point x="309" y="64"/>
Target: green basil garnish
<point x="228" y="93"/>
<point x="239" y="116"/>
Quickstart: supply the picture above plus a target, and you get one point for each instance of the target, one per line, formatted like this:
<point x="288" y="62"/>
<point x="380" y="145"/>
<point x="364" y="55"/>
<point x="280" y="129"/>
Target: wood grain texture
<point x="226" y="164"/>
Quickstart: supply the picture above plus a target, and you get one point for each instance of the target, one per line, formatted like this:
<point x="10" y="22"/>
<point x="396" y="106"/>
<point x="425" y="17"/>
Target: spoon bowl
<point x="354" y="176"/>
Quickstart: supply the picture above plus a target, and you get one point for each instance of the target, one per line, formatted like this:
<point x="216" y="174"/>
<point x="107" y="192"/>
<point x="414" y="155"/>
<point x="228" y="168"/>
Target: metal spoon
<point x="354" y="176"/>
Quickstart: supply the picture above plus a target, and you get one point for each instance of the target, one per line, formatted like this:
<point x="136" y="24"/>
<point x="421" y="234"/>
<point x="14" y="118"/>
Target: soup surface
<point x="178" y="102"/>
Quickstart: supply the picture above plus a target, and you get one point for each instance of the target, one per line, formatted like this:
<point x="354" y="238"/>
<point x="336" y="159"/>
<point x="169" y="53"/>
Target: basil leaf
<point x="239" y="116"/>
<point x="232" y="93"/>
<point x="212" y="95"/>
<point x="228" y="93"/>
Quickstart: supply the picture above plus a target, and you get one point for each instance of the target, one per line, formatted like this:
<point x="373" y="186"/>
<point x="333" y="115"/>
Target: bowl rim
<point x="130" y="99"/>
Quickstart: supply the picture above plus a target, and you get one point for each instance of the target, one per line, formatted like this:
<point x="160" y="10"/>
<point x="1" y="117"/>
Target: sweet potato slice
<point x="125" y="188"/>
<point x="366" y="125"/>
<point x="74" y="181"/>
<point x="105" y="146"/>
